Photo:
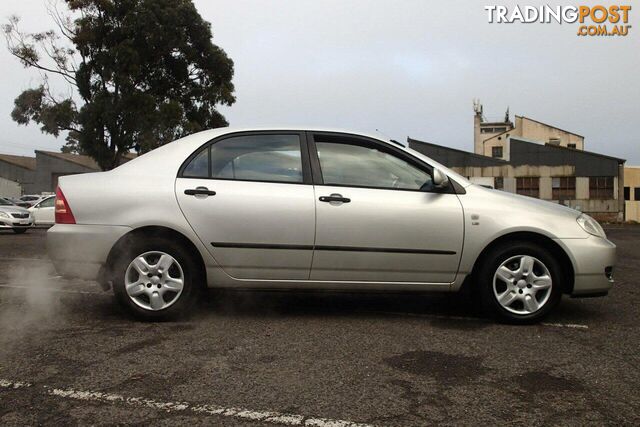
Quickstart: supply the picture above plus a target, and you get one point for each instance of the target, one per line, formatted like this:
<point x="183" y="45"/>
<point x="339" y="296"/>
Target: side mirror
<point x="440" y="180"/>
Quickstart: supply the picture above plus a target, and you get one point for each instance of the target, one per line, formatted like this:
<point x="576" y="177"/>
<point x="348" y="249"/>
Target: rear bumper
<point x="81" y="250"/>
<point x="593" y="260"/>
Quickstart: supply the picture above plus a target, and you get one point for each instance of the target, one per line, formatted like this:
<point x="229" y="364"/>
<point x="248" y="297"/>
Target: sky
<point x="403" y="67"/>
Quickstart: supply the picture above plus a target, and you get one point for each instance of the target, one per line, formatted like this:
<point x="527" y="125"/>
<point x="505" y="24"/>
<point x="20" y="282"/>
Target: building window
<point x="498" y="183"/>
<point x="492" y="130"/>
<point x="496" y="152"/>
<point x="601" y="187"/>
<point x="572" y="146"/>
<point x="554" y="141"/>
<point x="627" y="193"/>
<point x="636" y="193"/>
<point x="563" y="188"/>
<point x="528" y="186"/>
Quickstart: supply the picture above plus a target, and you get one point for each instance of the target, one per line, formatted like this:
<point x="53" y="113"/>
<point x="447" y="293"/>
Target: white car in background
<point x="31" y="199"/>
<point x="44" y="211"/>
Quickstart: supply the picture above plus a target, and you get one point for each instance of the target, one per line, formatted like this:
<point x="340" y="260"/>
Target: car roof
<point x="212" y="133"/>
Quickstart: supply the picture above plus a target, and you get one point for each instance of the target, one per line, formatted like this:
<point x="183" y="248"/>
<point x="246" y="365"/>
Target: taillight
<point x="63" y="211"/>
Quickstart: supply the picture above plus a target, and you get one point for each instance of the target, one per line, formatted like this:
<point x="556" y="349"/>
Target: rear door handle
<point x="334" y="198"/>
<point x="199" y="191"/>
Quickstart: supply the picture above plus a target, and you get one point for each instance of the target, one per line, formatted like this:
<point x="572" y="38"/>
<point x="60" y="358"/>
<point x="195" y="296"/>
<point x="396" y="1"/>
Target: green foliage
<point x="144" y="73"/>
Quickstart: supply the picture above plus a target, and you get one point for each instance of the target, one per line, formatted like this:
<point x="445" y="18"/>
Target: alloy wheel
<point x="154" y="280"/>
<point x="522" y="284"/>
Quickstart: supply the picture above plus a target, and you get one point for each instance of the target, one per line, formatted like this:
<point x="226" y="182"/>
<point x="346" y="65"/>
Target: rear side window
<point x="271" y="158"/>
<point x="199" y="166"/>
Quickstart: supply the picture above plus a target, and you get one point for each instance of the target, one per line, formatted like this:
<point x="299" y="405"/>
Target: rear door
<point x="378" y="218"/>
<point x="249" y="198"/>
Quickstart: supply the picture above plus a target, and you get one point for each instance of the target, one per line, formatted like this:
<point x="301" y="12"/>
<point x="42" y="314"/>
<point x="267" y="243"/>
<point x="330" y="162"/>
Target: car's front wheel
<point x="520" y="282"/>
<point x="156" y="279"/>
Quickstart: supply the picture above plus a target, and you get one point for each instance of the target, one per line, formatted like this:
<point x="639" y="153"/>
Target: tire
<point x="19" y="230"/>
<point x="142" y="300"/>
<point x="523" y="285"/>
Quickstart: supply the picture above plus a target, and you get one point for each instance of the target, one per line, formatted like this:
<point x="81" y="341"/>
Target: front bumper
<point x="7" y="223"/>
<point x="593" y="261"/>
<point x="80" y="251"/>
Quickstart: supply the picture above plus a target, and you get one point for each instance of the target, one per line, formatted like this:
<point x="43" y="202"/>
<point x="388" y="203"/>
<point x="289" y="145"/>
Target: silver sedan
<point x="317" y="209"/>
<point x="14" y="217"/>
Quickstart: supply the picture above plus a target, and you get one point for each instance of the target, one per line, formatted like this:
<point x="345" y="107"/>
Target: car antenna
<point x="391" y="140"/>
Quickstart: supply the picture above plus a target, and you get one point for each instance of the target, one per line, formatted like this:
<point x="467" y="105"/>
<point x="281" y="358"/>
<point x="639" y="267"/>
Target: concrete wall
<point x="9" y="188"/>
<point x="482" y="180"/>
<point x="632" y="206"/>
<point x="24" y="177"/>
<point x="479" y="137"/>
<point x="49" y="167"/>
<point x="537" y="131"/>
<point x="525" y="128"/>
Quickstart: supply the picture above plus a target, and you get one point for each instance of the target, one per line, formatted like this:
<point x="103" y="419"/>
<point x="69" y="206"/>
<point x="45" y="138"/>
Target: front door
<point x="250" y="200"/>
<point x="43" y="212"/>
<point x="378" y="218"/>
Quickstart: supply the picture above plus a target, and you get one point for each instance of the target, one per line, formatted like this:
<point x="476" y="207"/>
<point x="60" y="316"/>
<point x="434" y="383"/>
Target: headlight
<point x="4" y="215"/>
<point x="591" y="226"/>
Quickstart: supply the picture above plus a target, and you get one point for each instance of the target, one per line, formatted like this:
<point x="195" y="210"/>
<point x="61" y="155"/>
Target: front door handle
<point x="334" y="198"/>
<point x="199" y="191"/>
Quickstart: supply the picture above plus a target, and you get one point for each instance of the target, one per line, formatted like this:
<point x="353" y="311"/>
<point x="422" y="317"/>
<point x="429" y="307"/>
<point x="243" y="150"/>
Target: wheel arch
<point x="540" y="239"/>
<point x="152" y="231"/>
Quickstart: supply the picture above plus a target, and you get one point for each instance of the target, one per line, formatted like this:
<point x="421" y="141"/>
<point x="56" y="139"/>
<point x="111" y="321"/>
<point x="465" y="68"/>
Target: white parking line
<point x="565" y="325"/>
<point x="13" y="384"/>
<point x="271" y="417"/>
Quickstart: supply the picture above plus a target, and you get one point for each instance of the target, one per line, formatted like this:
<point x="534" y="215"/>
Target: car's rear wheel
<point x="520" y="282"/>
<point x="19" y="230"/>
<point x="156" y="279"/>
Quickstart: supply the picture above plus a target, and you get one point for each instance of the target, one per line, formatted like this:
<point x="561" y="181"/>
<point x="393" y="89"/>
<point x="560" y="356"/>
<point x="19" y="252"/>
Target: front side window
<point x="360" y="166"/>
<point x="47" y="203"/>
<point x="270" y="158"/>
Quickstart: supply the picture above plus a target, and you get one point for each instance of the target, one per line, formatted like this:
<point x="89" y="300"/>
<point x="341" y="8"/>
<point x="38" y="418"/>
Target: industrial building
<point x="34" y="175"/>
<point x="490" y="137"/>
<point x="535" y="159"/>
<point x="17" y="175"/>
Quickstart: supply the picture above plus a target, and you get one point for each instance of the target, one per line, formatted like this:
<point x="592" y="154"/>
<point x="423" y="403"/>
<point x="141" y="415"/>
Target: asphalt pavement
<point x="70" y="356"/>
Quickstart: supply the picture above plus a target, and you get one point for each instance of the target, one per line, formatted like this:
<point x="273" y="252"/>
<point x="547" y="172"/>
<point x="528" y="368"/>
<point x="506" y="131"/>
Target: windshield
<point x="5" y="202"/>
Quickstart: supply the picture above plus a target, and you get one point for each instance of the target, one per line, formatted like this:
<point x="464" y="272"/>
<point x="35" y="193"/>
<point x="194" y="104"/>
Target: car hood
<point x="526" y="203"/>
